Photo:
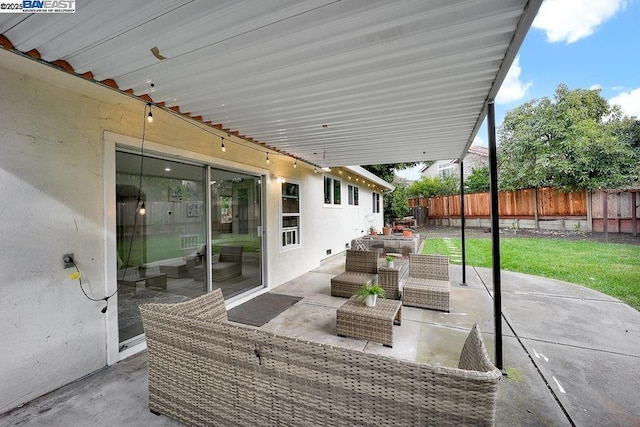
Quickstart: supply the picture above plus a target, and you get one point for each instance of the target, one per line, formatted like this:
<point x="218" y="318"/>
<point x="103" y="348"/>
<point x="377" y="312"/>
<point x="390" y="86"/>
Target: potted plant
<point x="390" y="260"/>
<point x="387" y="231"/>
<point x="373" y="231"/>
<point x="370" y="293"/>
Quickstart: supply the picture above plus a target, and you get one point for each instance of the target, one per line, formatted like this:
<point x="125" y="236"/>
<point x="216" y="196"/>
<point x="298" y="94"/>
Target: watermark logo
<point x="39" y="6"/>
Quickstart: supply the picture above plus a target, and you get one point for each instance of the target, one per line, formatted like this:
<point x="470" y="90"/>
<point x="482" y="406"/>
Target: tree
<point x="396" y="203"/>
<point x="424" y="187"/>
<point x="434" y="186"/>
<point x="573" y="141"/>
<point x="478" y="181"/>
<point x="387" y="171"/>
<point x="627" y="129"/>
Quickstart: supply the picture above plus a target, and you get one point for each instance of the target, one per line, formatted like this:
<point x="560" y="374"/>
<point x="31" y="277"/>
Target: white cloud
<point x="629" y="102"/>
<point x="572" y="20"/>
<point x="512" y="88"/>
<point x="595" y="86"/>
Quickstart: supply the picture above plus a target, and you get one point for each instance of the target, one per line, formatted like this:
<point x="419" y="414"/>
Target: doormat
<point x="260" y="310"/>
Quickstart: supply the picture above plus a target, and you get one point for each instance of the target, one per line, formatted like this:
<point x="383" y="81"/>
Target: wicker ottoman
<point x="426" y="293"/>
<point x="356" y="320"/>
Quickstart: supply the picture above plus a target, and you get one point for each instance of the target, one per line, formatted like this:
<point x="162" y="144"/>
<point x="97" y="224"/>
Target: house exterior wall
<point x="471" y="160"/>
<point x="55" y="174"/>
<point x="433" y="170"/>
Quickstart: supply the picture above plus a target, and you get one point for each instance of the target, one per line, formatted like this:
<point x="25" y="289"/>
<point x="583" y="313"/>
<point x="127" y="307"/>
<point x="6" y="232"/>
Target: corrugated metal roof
<point x="332" y="82"/>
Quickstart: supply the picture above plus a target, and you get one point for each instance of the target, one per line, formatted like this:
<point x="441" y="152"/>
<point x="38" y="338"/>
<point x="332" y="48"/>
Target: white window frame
<point x="330" y="201"/>
<point x="290" y="234"/>
<point x="376" y="197"/>
<point x="353" y="195"/>
<point x="446" y="169"/>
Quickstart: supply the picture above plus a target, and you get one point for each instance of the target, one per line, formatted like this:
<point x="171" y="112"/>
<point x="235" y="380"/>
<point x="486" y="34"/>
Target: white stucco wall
<point x="322" y="227"/>
<point x="53" y="153"/>
<point x="50" y="187"/>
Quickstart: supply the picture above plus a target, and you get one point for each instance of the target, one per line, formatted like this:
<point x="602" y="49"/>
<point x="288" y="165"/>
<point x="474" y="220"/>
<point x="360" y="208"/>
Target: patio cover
<point x="329" y="82"/>
<point x="333" y="83"/>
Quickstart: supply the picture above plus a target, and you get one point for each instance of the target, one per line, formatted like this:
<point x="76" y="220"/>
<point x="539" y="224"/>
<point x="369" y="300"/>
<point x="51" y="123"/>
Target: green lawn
<point x="167" y="247"/>
<point x="613" y="269"/>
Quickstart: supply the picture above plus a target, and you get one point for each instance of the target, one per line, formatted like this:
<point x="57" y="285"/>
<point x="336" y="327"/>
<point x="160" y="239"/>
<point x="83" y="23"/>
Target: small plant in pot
<point x="390" y="260"/>
<point x="370" y="293"/>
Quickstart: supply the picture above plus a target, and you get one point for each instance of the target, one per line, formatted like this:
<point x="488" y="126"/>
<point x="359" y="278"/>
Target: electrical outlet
<point x="67" y="261"/>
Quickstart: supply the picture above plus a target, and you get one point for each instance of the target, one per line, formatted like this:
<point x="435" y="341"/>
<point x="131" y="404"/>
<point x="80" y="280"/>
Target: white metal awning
<point x="332" y="82"/>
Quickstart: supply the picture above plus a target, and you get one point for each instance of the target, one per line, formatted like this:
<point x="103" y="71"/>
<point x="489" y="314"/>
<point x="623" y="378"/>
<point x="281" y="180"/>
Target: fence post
<point x="634" y="215"/>
<point x="535" y="208"/>
<point x="589" y="211"/>
<point x="605" y="215"/>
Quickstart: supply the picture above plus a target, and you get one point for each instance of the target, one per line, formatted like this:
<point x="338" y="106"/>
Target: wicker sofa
<point x="427" y="285"/>
<point x="206" y="371"/>
<point x="361" y="268"/>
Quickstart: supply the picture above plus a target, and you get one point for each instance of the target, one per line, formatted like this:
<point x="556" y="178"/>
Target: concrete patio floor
<point x="571" y="354"/>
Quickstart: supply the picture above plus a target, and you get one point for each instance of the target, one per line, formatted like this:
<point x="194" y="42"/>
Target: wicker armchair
<point x="427" y="285"/>
<point x="361" y="268"/>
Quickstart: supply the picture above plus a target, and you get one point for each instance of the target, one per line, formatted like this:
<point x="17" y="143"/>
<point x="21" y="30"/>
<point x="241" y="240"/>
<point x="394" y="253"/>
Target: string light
<point x="223" y="148"/>
<point x="143" y="209"/>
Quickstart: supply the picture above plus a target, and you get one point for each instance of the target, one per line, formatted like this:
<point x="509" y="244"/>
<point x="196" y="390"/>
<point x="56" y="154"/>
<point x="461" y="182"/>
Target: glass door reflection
<point x="236" y="225"/>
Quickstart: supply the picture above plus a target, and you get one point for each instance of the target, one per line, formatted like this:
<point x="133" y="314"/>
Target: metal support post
<point x="495" y="232"/>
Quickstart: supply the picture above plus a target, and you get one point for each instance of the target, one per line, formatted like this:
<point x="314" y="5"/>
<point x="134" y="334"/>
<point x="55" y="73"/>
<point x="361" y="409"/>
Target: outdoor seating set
<point x="204" y="370"/>
<point x="427" y="286"/>
<point x="227" y="265"/>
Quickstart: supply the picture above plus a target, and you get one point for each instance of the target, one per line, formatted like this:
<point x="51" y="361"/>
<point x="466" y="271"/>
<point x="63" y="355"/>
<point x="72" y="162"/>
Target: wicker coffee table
<point x="356" y="320"/>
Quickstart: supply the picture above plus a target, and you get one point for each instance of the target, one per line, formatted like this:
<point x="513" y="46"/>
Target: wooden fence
<point x="555" y="209"/>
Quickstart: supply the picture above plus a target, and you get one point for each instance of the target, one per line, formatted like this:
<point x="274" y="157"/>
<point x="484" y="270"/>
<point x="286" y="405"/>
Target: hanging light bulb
<point x="267" y="158"/>
<point x="222" y="147"/>
<point x="315" y="170"/>
<point x="143" y="209"/>
<point x="295" y="164"/>
<point x="149" y="116"/>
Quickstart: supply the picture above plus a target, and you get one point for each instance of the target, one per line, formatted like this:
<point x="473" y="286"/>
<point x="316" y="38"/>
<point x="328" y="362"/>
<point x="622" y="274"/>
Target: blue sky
<point x="585" y="44"/>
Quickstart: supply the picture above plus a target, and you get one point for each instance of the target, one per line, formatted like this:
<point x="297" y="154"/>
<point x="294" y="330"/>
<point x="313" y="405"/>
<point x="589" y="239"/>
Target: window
<point x="376" y="202"/>
<point x="290" y="215"/>
<point x="352" y="195"/>
<point x="446" y="169"/>
<point x="332" y="190"/>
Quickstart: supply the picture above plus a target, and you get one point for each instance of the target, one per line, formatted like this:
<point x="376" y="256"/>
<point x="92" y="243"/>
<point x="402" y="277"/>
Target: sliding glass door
<point x="161" y="235"/>
<point x="236" y="231"/>
<point x="167" y="249"/>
